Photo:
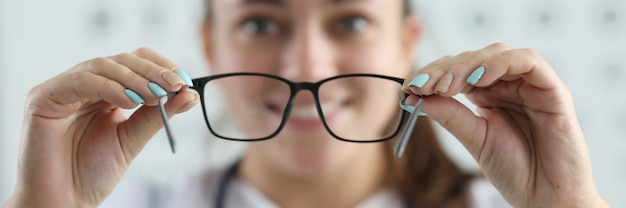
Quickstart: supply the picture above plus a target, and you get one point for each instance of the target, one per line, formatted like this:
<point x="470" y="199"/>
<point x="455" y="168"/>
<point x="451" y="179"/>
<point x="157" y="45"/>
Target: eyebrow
<point x="282" y="3"/>
<point x="345" y="1"/>
<point x="271" y="2"/>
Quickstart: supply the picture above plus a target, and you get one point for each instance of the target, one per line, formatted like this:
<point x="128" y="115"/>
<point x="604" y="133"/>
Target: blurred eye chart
<point x="584" y="41"/>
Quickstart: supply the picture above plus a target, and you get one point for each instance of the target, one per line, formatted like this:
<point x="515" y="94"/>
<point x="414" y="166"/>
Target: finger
<point x="77" y="87"/>
<point x="422" y="81"/>
<point x="120" y="73"/>
<point x="154" y="57"/>
<point x="470" y="64"/>
<point x="499" y="95"/>
<point x="151" y="71"/>
<point x="456" y="118"/>
<point x="146" y="121"/>
<point x="538" y="83"/>
<point x="520" y="63"/>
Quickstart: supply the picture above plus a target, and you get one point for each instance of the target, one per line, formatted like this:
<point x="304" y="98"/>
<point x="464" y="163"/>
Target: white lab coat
<point x="200" y="190"/>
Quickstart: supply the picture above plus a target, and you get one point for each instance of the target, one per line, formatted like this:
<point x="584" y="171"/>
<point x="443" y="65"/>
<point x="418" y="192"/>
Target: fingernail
<point x="420" y="80"/>
<point x="410" y="109"/>
<point x="171" y="78"/>
<point x="157" y="90"/>
<point x="444" y="83"/>
<point x="134" y="96"/>
<point x="476" y="75"/>
<point x="407" y="108"/>
<point x="189" y="104"/>
<point x="185" y="77"/>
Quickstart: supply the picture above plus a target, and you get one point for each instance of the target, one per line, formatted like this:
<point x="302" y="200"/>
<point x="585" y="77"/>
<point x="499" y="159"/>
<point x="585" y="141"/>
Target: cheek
<point x="376" y="109"/>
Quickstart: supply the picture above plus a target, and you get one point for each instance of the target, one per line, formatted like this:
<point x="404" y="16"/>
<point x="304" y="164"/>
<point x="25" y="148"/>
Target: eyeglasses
<point x="266" y="105"/>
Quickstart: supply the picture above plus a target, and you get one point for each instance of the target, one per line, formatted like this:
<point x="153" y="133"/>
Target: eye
<point x="259" y="26"/>
<point x="353" y="24"/>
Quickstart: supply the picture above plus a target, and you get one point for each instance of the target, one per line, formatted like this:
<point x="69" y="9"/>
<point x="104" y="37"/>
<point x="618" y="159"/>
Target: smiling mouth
<point x="306" y="115"/>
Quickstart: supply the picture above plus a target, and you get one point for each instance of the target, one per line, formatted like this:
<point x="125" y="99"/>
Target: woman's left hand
<point x="526" y="137"/>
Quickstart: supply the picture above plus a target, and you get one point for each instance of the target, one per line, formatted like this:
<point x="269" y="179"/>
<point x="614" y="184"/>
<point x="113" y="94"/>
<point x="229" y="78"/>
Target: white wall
<point x="584" y="40"/>
<point x="5" y="177"/>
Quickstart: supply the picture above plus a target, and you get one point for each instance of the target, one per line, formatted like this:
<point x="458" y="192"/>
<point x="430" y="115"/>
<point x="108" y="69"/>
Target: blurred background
<point x="584" y="40"/>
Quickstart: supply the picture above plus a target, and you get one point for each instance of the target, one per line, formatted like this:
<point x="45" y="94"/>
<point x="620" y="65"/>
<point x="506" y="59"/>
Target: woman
<point x="77" y="143"/>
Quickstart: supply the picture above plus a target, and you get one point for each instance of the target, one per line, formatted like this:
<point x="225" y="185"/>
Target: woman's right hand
<point x="76" y="139"/>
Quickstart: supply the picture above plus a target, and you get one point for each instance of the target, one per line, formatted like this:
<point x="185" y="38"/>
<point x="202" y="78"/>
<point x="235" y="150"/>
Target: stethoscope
<point x="222" y="187"/>
<point x="224" y="182"/>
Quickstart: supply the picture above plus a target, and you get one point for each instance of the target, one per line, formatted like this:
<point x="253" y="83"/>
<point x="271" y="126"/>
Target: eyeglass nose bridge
<point x="296" y="87"/>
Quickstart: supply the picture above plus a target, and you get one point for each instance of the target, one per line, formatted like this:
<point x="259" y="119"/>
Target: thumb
<point x="459" y="120"/>
<point x="143" y="124"/>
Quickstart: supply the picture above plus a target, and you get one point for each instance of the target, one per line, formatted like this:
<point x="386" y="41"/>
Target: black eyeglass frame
<point x="200" y="83"/>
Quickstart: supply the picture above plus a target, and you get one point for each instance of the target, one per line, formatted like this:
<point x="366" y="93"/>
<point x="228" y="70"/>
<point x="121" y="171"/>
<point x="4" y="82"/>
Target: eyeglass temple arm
<point x="166" y="123"/>
<point x="408" y="129"/>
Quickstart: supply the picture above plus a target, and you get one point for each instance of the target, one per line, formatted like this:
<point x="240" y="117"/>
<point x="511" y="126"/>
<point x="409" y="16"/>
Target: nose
<point x="309" y="54"/>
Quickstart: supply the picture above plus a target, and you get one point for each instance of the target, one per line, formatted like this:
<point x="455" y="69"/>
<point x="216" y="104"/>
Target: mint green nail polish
<point x="185" y="77"/>
<point x="420" y="80"/>
<point x="408" y="108"/>
<point x="476" y="75"/>
<point x="157" y="90"/>
<point x="405" y="107"/>
<point x="134" y="96"/>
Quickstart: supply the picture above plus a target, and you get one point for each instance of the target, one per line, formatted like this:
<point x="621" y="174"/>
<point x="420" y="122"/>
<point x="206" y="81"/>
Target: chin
<point x="311" y="164"/>
<point x="308" y="157"/>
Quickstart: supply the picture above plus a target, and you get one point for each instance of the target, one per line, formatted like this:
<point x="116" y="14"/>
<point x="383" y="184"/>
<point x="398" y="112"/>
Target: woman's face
<point x="308" y="41"/>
